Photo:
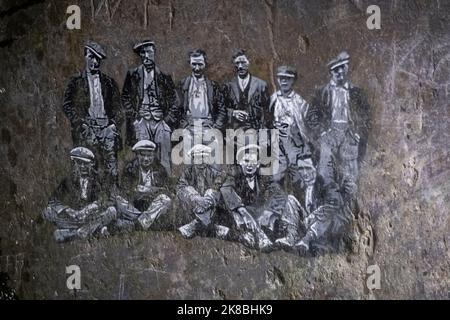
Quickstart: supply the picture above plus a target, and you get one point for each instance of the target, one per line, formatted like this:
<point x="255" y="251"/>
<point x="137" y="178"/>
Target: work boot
<point x="188" y="230"/>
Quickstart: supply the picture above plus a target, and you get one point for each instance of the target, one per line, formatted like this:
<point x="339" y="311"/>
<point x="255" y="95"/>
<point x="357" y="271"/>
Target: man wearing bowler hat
<point x="146" y="200"/>
<point x="92" y="104"/>
<point x="149" y="100"/>
<point x="78" y="208"/>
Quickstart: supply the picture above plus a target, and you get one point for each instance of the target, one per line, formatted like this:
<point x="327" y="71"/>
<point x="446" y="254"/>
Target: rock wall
<point x="404" y="184"/>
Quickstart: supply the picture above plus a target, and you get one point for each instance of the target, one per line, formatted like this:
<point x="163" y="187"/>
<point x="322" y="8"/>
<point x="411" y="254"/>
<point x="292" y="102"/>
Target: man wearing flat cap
<point x="198" y="190"/>
<point x="345" y="122"/>
<point x="149" y="100"/>
<point x="92" y="104"/>
<point x="78" y="208"/>
<point x="291" y="115"/>
<point x="201" y="106"/>
<point x="146" y="202"/>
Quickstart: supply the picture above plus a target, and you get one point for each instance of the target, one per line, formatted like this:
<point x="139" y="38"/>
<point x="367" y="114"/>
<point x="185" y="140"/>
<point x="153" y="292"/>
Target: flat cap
<point x="286" y="71"/>
<point x="144" y="145"/>
<point x="250" y="148"/>
<point x="200" y="149"/>
<point x="341" y="59"/>
<point x="82" y="153"/>
<point x="96" y="48"/>
<point x="137" y="47"/>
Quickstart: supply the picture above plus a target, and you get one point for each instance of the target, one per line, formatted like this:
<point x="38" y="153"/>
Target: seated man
<point x="76" y="207"/>
<point x="153" y="127"/>
<point x="258" y="202"/>
<point x="198" y="192"/>
<point x="144" y="183"/>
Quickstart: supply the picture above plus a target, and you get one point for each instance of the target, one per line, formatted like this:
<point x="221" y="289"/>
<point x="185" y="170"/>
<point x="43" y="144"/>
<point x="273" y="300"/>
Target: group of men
<point x="305" y="205"/>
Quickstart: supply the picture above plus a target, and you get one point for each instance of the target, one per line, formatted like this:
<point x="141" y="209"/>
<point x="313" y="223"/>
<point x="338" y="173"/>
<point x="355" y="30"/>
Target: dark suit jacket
<point x="132" y="178"/>
<point x="236" y="192"/>
<point x="77" y="102"/>
<point x="360" y="113"/>
<point x="258" y="103"/>
<point x="215" y="101"/>
<point x="214" y="177"/>
<point x="68" y="193"/>
<point x="132" y="96"/>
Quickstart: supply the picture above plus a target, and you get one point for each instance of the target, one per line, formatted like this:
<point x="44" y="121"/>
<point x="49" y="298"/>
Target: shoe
<point x="188" y="230"/>
<point x="145" y="221"/>
<point x="302" y="247"/>
<point x="286" y="242"/>
<point x="221" y="231"/>
<point x="247" y="239"/>
<point x="265" y="245"/>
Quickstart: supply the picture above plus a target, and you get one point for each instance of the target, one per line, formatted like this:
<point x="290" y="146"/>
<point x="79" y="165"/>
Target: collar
<point x="345" y="86"/>
<point x="290" y="95"/>
<point x="245" y="79"/>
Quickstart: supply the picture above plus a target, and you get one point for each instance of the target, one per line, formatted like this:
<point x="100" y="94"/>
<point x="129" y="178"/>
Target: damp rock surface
<point x="404" y="182"/>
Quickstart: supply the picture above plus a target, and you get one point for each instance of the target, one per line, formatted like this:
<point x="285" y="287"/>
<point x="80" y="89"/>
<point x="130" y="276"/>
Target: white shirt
<point x="97" y="108"/>
<point x="290" y="110"/>
<point x="198" y="98"/>
<point x="147" y="178"/>
<point x="339" y="99"/>
<point x="84" y="186"/>
<point x="148" y="79"/>
<point x="251" y="183"/>
<point x="243" y="82"/>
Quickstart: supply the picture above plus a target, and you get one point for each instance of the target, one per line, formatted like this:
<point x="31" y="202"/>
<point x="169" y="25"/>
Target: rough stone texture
<point x="405" y="180"/>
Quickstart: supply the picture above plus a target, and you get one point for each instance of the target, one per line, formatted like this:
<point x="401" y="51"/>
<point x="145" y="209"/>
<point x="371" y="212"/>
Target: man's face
<point x="241" y="65"/>
<point x="92" y="61"/>
<point x="308" y="175"/>
<point x="148" y="56"/>
<point x="339" y="74"/>
<point x="146" y="158"/>
<point x="198" y="66"/>
<point x="157" y="113"/>
<point x="83" y="167"/>
<point x="249" y="164"/>
<point x="201" y="160"/>
<point x="286" y="83"/>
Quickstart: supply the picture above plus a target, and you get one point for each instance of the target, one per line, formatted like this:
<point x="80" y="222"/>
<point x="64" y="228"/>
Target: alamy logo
<point x="74" y="20"/>
<point x="74" y="280"/>
<point x="374" y="21"/>
<point x="374" y="278"/>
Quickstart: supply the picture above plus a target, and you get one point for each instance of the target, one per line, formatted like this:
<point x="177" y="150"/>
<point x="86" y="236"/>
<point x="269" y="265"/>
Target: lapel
<point x="185" y="91"/>
<point x="140" y="76"/>
<point x="85" y="82"/>
<point x="235" y="88"/>
<point x="210" y="91"/>
<point x="253" y="86"/>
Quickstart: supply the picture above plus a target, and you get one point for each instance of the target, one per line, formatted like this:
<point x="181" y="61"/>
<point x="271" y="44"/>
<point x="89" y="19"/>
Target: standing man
<point x="92" y="104"/>
<point x="198" y="190"/>
<point x="201" y="101"/>
<point x="78" y="208"/>
<point x="149" y="100"/>
<point x="345" y="122"/>
<point x="290" y="114"/>
<point x="145" y="184"/>
<point x="246" y="97"/>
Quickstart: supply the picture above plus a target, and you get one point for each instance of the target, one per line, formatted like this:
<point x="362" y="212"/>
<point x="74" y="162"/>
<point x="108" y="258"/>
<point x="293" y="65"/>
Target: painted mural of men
<point x="149" y="100"/>
<point x="246" y="97"/>
<point x="345" y="122"/>
<point x="147" y="197"/>
<point x="290" y="115"/>
<point x="78" y="208"/>
<point x="198" y="190"/>
<point x="92" y="104"/>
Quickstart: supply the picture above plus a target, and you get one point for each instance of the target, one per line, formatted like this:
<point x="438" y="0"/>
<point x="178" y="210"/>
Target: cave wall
<point x="404" y="183"/>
